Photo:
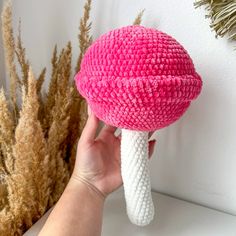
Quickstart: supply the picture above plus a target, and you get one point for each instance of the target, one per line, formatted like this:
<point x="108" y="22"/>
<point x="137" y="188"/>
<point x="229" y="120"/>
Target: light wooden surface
<point x="173" y="218"/>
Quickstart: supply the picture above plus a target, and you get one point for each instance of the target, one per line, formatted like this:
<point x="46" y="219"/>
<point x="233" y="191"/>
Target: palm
<point x="107" y="166"/>
<point x="98" y="158"/>
<point x="100" y="161"/>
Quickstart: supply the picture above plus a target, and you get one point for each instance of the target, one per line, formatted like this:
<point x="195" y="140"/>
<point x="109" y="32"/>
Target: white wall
<point x="195" y="158"/>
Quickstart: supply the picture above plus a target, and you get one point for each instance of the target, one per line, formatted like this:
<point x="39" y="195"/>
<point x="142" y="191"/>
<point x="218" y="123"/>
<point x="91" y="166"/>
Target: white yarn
<point x="135" y="174"/>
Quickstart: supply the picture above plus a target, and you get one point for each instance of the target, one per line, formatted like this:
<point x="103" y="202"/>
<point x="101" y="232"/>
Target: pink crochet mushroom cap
<point x="138" y="78"/>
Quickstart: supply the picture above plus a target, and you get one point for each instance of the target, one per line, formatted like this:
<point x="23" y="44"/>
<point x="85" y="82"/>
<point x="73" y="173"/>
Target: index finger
<point x="89" y="132"/>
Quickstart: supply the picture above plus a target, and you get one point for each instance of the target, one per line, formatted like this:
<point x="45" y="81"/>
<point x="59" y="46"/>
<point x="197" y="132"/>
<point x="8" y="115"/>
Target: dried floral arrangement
<point x="223" y="16"/>
<point x="39" y="130"/>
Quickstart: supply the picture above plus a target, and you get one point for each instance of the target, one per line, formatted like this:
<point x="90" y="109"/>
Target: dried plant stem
<point x="62" y="177"/>
<point x="6" y="134"/>
<point x="223" y="16"/>
<point x="41" y="80"/>
<point x="37" y="144"/>
<point x="78" y="126"/>
<point x="58" y="120"/>
<point x="79" y="107"/>
<point x="21" y="57"/>
<point x="84" y="33"/>
<point x="8" y="226"/>
<point x="28" y="184"/>
<point x="3" y="185"/>
<point x="61" y="72"/>
<point x="39" y="85"/>
<point x="64" y="69"/>
<point x="56" y="136"/>
<point x="50" y="98"/>
<point x="3" y="194"/>
<point x="138" y="18"/>
<point x="9" y="49"/>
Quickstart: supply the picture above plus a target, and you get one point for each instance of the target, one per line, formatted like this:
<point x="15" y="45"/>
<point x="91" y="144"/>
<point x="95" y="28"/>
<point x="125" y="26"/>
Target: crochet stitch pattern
<point x="138" y="78"/>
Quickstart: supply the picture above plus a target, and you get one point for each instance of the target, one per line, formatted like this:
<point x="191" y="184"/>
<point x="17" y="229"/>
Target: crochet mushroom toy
<point x="140" y="80"/>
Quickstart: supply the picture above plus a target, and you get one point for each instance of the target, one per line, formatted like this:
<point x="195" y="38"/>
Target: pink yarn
<point x="138" y="78"/>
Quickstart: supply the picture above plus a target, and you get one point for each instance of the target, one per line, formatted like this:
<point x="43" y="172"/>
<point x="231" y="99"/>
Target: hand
<point x="98" y="158"/>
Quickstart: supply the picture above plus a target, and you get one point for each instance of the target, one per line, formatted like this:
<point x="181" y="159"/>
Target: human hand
<point x="98" y="158"/>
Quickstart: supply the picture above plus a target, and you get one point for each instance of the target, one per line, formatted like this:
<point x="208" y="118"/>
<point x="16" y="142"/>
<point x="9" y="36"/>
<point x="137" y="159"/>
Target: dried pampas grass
<point x="9" y="45"/>
<point x="223" y="16"/>
<point x="138" y="18"/>
<point x="85" y="39"/>
<point x="35" y="149"/>
<point x="38" y="138"/>
<point x="28" y="199"/>
<point x="6" y="135"/>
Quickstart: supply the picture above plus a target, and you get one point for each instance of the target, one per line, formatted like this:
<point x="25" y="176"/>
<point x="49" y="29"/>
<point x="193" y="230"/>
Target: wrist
<point x="81" y="182"/>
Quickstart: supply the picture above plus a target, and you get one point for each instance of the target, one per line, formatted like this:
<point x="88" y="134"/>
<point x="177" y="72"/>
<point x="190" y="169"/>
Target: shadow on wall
<point x="191" y="149"/>
<point x="108" y="19"/>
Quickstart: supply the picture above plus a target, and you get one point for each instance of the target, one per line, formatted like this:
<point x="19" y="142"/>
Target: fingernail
<point x="153" y="141"/>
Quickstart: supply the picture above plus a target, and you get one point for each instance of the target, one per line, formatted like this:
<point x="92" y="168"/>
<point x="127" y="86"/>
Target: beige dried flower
<point x="9" y="49"/>
<point x="57" y="134"/>
<point x="28" y="184"/>
<point x="7" y="225"/>
<point x="222" y="15"/>
<point x="6" y="134"/>
<point x="62" y="177"/>
<point x="77" y="123"/>
<point x="3" y="186"/>
<point x="138" y="18"/>
<point x="21" y="57"/>
<point x="41" y="80"/>
<point x="85" y="39"/>
<point x="6" y="160"/>
<point x="78" y="113"/>
<point x="41" y="96"/>
<point x="64" y="70"/>
<point x="53" y="87"/>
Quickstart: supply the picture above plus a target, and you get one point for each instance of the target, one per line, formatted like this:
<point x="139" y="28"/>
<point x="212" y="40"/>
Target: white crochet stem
<point x="135" y="174"/>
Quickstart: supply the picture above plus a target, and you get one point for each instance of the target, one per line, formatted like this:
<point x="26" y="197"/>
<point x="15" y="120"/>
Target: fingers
<point x="89" y="132"/>
<point x="107" y="129"/>
<point x="151" y="147"/>
<point x="118" y="134"/>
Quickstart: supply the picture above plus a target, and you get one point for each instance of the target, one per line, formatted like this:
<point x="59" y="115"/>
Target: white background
<point x="195" y="158"/>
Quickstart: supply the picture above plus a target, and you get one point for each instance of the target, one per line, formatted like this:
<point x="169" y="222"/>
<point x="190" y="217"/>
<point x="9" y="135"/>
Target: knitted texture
<point x="138" y="78"/>
<point x="135" y="174"/>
